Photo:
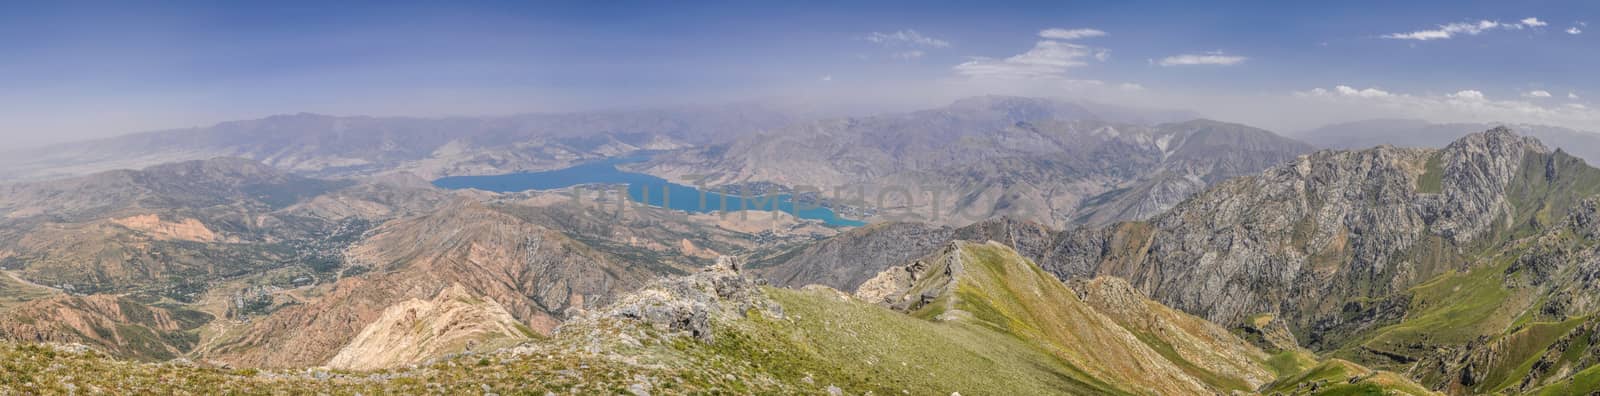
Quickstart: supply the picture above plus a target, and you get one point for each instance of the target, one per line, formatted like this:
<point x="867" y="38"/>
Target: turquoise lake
<point x="651" y="190"/>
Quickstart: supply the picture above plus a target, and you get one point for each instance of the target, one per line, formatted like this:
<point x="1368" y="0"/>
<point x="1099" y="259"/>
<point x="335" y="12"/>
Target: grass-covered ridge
<point x="1008" y="293"/>
<point x="1341" y="377"/>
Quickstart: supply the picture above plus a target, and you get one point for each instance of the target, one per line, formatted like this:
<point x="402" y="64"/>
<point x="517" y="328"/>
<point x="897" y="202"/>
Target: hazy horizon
<point x="77" y="73"/>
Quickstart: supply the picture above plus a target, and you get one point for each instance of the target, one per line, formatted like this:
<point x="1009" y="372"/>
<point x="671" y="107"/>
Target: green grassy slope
<point x="1337" y="377"/>
<point x="997" y="290"/>
<point x="862" y="347"/>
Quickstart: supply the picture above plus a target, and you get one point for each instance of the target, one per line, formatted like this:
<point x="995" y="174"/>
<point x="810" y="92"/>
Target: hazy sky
<point x="73" y="70"/>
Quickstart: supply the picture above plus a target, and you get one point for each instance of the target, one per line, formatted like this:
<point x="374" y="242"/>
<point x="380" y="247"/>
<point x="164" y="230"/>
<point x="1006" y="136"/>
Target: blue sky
<point x="82" y="69"/>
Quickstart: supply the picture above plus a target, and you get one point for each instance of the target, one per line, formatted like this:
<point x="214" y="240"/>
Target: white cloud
<point x="1572" y="96"/>
<point x="1449" y="30"/>
<point x="1102" y="54"/>
<point x="1365" y="93"/>
<point x="1538" y="93"/>
<point x="828" y="77"/>
<point x="1048" y="58"/>
<point x="1346" y="90"/>
<point x="1533" y="22"/>
<point x="1574" y="30"/>
<point x="1070" y="34"/>
<point x="905" y="44"/>
<point x="1313" y="92"/>
<point x="908" y="54"/>
<point x="906" y="39"/>
<point x="1213" y="58"/>
<point x="1467" y="105"/>
<point x="1469" y="95"/>
<point x="1131" y="87"/>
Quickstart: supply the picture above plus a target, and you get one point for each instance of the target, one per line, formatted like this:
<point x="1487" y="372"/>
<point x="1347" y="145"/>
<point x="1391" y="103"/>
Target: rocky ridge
<point x="1386" y="256"/>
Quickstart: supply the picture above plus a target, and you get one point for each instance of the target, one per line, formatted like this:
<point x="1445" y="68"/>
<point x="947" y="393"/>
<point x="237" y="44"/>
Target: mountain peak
<point x="1017" y="108"/>
<point x="1498" y="139"/>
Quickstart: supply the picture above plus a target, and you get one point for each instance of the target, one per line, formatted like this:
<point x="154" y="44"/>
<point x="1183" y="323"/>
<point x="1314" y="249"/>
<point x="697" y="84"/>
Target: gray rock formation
<point x="689" y="303"/>
<point x="868" y="250"/>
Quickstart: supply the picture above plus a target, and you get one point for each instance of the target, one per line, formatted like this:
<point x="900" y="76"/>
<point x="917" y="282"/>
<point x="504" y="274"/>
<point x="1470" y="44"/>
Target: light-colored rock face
<point x="414" y="331"/>
<point x="182" y="230"/>
<point x="1478" y="172"/>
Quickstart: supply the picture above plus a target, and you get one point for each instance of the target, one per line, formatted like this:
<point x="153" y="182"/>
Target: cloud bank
<point x="1049" y="58"/>
<point x="905" y="38"/>
<point x="1536" y="107"/>
<point x="1212" y="58"/>
<point x="1457" y="29"/>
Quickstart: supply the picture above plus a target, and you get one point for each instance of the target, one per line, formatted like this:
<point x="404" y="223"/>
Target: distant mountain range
<point x="1419" y="133"/>
<point x="1057" y="162"/>
<point x="334" y="146"/>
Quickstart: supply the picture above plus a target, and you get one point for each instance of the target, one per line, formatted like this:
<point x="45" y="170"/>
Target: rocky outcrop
<point x="689" y="304"/>
<point x="1478" y="172"/>
<point x="1557" y="272"/>
<point x="845" y="261"/>
<point x="1564" y="260"/>
<point x="893" y="287"/>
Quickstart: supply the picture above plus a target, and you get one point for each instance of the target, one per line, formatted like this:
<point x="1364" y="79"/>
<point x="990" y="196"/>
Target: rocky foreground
<point x="970" y="308"/>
